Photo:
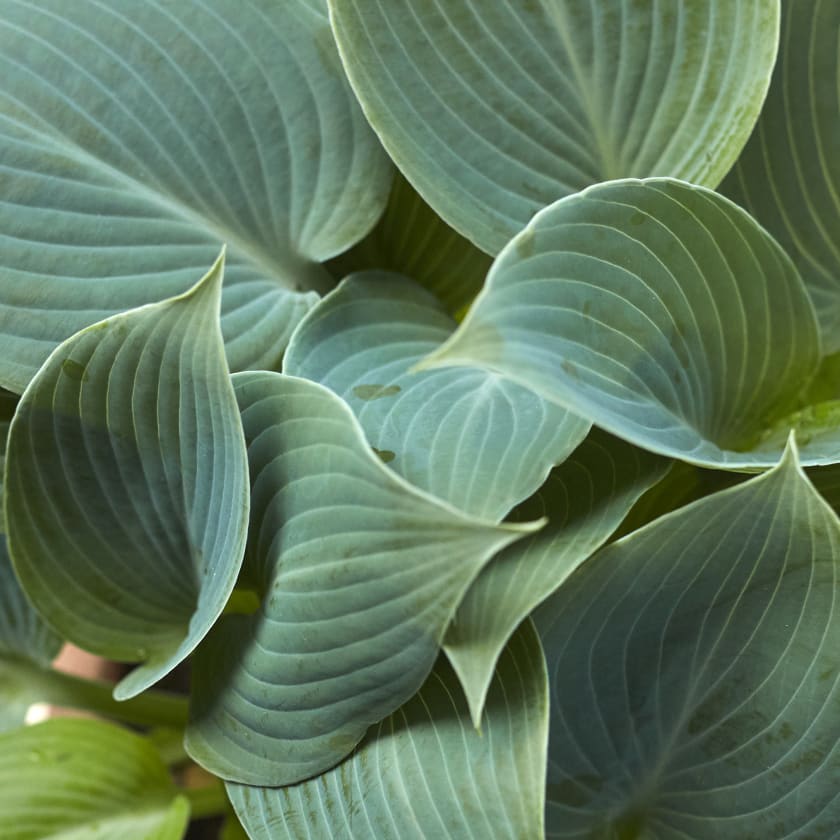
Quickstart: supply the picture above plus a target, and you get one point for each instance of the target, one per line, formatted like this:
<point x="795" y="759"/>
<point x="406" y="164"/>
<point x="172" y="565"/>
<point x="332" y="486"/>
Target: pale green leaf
<point x="788" y="176"/>
<point x="493" y="110"/>
<point x="127" y="484"/>
<point x="358" y="574"/>
<point x="584" y="500"/>
<point x="137" y="137"/>
<point x="413" y="240"/>
<point x="661" y="312"/>
<point x="424" y="772"/>
<point x="86" y="780"/>
<point x="695" y="673"/>
<point x="467" y="436"/>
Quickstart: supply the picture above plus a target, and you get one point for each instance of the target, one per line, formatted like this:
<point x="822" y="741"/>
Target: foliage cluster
<point x="487" y="482"/>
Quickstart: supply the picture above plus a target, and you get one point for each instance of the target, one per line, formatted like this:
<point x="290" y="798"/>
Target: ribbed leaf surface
<point x="424" y="772"/>
<point x="127" y="484"/>
<point x="695" y="673"/>
<point x="493" y="110"/>
<point x="138" y="137"/>
<point x="358" y="575"/>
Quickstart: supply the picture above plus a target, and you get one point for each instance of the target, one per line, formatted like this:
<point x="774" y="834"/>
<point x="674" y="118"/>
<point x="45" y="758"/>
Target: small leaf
<point x="788" y="176"/>
<point x="467" y="436"/>
<point x="86" y="779"/>
<point x="424" y="772"/>
<point x="584" y="499"/>
<point x="493" y="110"/>
<point x="127" y="484"/>
<point x="661" y="312"/>
<point x="695" y="673"/>
<point x="359" y="575"/>
<point x="138" y="138"/>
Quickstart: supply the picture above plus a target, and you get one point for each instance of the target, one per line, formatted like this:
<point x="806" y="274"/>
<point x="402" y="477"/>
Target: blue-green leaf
<point x="663" y="313"/>
<point x="424" y="772"/>
<point x="584" y="500"/>
<point x="138" y="137"/>
<point x="358" y="575"/>
<point x="695" y="673"/>
<point x="493" y="110"/>
<point x="467" y="436"/>
<point x="127" y="484"/>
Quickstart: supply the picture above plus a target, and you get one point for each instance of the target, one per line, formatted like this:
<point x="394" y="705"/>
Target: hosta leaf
<point x="424" y="772"/>
<point x="695" y="673"/>
<point x="661" y="312"/>
<point x="358" y="574"/>
<point x="467" y="436"/>
<point x="584" y="499"/>
<point x="136" y="138"/>
<point x="413" y="240"/>
<point x="493" y="110"/>
<point x="23" y="633"/>
<point x="788" y="176"/>
<point x="127" y="484"/>
<point x="86" y="780"/>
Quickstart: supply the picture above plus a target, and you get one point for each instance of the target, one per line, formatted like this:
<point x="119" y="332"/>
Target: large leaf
<point x="695" y="673"/>
<point x="413" y="240"/>
<point x="127" y="484"/>
<point x="493" y="110"/>
<point x="584" y="499"/>
<point x="23" y="633"/>
<point x="661" y="312"/>
<point x="358" y="574"/>
<point x="137" y="137"/>
<point x="424" y="773"/>
<point x="467" y="436"/>
<point x="86" y="780"/>
<point x="788" y="176"/>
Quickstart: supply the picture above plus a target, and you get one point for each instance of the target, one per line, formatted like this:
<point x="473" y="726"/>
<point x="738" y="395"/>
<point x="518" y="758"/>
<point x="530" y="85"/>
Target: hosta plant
<point x="447" y="393"/>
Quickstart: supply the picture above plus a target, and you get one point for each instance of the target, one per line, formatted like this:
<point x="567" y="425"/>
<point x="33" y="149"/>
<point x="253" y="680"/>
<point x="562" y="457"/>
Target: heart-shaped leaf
<point x="788" y="176"/>
<point x="661" y="312"/>
<point x="136" y="138"/>
<point x="493" y="110"/>
<point x="424" y="772"/>
<point x="86" y="780"/>
<point x="358" y="573"/>
<point x="695" y="673"/>
<point x="411" y="239"/>
<point x="465" y="435"/>
<point x="127" y="484"/>
<point x="584" y="499"/>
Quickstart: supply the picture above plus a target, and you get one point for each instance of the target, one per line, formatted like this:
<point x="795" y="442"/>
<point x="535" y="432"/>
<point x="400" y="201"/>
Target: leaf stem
<point x="151" y="708"/>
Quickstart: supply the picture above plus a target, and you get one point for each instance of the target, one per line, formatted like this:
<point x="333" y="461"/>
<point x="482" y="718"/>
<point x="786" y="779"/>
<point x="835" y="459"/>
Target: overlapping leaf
<point x="661" y="312"/>
<point x="86" y="779"/>
<point x="467" y="436"/>
<point x="413" y="240"/>
<point x="136" y="138"/>
<point x="358" y="573"/>
<point x="23" y="633"/>
<point x="127" y="484"/>
<point x="493" y="110"/>
<point x="424" y="772"/>
<point x="695" y="673"/>
<point x="584" y="499"/>
<point x="788" y="176"/>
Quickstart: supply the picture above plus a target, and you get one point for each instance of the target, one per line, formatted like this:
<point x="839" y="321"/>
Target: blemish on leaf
<point x="569" y="367"/>
<point x="375" y="392"/>
<point x="637" y="219"/>
<point x="75" y="370"/>
<point x="525" y="244"/>
<point x="385" y="455"/>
